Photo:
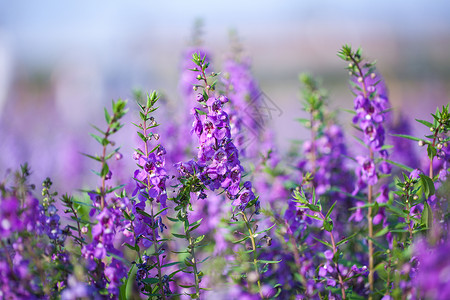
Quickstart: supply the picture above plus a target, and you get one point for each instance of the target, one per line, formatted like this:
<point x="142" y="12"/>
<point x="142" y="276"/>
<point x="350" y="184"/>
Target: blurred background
<point x="62" y="61"/>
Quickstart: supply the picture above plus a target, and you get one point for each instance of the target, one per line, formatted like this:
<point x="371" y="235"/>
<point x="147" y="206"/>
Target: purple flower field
<point x="206" y="204"/>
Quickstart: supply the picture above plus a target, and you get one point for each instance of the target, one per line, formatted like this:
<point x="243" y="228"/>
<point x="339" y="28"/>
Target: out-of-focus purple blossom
<point x="415" y="174"/>
<point x="244" y="109"/>
<point x="432" y="279"/>
<point x="77" y="290"/>
<point x="187" y="81"/>
<point x="366" y="173"/>
<point x="9" y="217"/>
<point x="402" y="151"/>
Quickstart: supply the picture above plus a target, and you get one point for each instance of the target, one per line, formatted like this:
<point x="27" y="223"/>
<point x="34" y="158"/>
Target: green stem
<point x="369" y="194"/>
<point x="155" y="244"/>
<point x="370" y="229"/>
<point x="103" y="160"/>
<point x="436" y="131"/>
<point x="194" y="260"/>
<point x="255" y="257"/>
<point x="333" y="243"/>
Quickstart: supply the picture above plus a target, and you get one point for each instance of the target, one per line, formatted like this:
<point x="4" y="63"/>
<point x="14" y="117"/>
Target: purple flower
<point x="218" y="159"/>
<point x="415" y="174"/>
<point x="366" y="170"/>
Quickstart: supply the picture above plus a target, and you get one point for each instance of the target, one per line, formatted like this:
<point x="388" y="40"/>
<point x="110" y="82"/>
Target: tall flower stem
<point x="436" y="131"/>
<point x="370" y="187"/>
<point x="194" y="260"/>
<point x="313" y="144"/>
<point x="152" y="213"/>
<point x="255" y="257"/>
<point x="370" y="242"/>
<point x="333" y="243"/>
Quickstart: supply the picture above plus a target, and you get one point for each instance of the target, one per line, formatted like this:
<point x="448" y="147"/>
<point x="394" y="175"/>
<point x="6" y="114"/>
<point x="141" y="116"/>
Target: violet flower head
<point x="152" y="173"/>
<point x="217" y="165"/>
<point x="218" y="158"/>
<point x="187" y="81"/>
<point x="244" y="93"/>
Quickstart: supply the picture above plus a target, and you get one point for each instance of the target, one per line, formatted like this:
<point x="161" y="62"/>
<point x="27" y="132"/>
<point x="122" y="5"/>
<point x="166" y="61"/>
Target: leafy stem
<point x="336" y="262"/>
<point x="255" y="256"/>
<point x="151" y="100"/>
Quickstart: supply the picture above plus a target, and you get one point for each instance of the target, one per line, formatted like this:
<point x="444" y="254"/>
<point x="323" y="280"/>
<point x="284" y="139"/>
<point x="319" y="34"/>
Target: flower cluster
<point x="218" y="157"/>
<point x="151" y="173"/>
<point x="102" y="246"/>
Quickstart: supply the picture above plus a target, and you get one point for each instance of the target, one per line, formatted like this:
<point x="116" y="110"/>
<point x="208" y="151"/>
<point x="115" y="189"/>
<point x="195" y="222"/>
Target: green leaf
<point x="102" y="141"/>
<point x="401" y="166"/>
<point x="200" y="112"/>
<point x="375" y="209"/>
<point x="330" y="210"/>
<point x="112" y="153"/>
<point x="143" y="138"/>
<point x="199" y="239"/>
<point x="428" y="185"/>
<point x="150" y="280"/>
<point x="196" y="223"/>
<point x="97" y="158"/>
<point x="187" y="262"/>
<point x="181" y="236"/>
<point x="431" y="151"/>
<point x="261" y="261"/>
<point x="382" y="232"/>
<point x="107" y="116"/>
<point x="314" y="217"/>
<point x="171" y="264"/>
<point x="349" y="111"/>
<point x="426" y="123"/>
<point x="241" y="240"/>
<point x="115" y="188"/>
<point x="173" y="219"/>
<point x="346" y="239"/>
<point x="129" y="246"/>
<point x="266" y="230"/>
<point x="105" y="170"/>
<point x="328" y="225"/>
<point x="161" y="211"/>
<point x="409" y="137"/>
<point x="315" y="208"/>
<point x="386" y="147"/>
<point x="127" y="216"/>
<point x="303" y="121"/>
<point x="323" y="242"/>
<point x="140" y="211"/>
<point x="427" y="216"/>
